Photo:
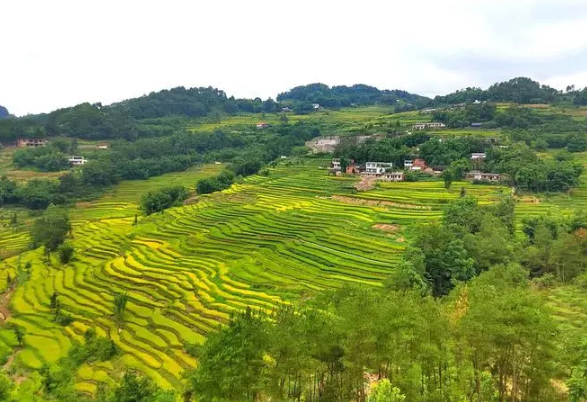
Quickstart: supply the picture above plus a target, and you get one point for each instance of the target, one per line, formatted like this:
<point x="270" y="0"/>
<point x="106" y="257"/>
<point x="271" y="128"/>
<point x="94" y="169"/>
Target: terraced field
<point x="268" y="240"/>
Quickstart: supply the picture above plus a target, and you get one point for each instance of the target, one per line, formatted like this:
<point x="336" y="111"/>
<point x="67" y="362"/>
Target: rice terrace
<point x="202" y="224"/>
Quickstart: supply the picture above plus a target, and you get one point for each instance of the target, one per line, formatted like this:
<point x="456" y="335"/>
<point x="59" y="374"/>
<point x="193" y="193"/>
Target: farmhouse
<point x="376" y="168"/>
<point x="353" y="168"/>
<point x="103" y="146"/>
<point x="476" y="125"/>
<point x="77" y="160"/>
<point x="392" y="176"/>
<point x="476" y="175"/>
<point x="316" y="106"/>
<point x="423" y="126"/>
<point x="478" y="156"/>
<point x="335" y="164"/>
<point x="262" y="125"/>
<point x="31" y="142"/>
<point x="408" y="163"/>
<point x="418" y="164"/>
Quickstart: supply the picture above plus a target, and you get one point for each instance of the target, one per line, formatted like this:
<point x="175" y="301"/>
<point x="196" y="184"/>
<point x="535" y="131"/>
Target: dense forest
<point x="360" y="95"/>
<point x="520" y="90"/>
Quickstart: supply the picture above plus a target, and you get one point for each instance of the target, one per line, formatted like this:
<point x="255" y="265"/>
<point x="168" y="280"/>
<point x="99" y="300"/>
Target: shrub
<point x="65" y="253"/>
<point x="156" y="201"/>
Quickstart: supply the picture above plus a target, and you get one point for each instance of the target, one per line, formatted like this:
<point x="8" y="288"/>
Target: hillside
<point x="278" y="264"/>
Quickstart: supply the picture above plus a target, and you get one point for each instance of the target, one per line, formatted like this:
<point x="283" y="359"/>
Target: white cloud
<point x="63" y="52"/>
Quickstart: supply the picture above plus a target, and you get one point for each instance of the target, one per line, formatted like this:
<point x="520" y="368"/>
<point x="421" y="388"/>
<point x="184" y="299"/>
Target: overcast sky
<point x="60" y="53"/>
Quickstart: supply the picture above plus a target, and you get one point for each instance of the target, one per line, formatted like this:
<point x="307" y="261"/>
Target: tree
<point x="6" y="387"/>
<point x="120" y="301"/>
<point x="385" y="392"/>
<point x="53" y="300"/>
<point x="242" y="343"/>
<point x="447" y="177"/>
<point x="133" y="389"/>
<point x="156" y="201"/>
<point x="19" y="334"/>
<point x="51" y="229"/>
<point x="65" y="253"/>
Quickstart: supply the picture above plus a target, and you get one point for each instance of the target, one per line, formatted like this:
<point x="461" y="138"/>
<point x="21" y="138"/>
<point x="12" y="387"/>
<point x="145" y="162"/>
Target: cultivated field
<point x="268" y="240"/>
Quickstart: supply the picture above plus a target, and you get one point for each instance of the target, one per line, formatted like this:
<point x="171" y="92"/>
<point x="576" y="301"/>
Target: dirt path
<point x="376" y="203"/>
<point x="366" y="183"/>
<point x="5" y="314"/>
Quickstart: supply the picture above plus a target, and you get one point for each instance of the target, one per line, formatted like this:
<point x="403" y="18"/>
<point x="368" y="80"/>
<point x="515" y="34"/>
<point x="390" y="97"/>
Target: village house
<point x="316" y="106"/>
<point x="376" y="168"/>
<point x="77" y="160"/>
<point x="262" y="125"/>
<point x="286" y="109"/>
<point x="477" y="175"/>
<point x="478" y="156"/>
<point x="476" y="125"/>
<point x="408" y="163"/>
<point x="335" y="164"/>
<point x="392" y="176"/>
<point x="103" y="146"/>
<point x="31" y="142"/>
<point x="353" y="168"/>
<point x="418" y="164"/>
<point x="423" y="126"/>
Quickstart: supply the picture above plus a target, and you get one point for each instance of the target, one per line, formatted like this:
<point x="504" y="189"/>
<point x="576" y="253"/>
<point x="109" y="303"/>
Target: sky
<point x="61" y="53"/>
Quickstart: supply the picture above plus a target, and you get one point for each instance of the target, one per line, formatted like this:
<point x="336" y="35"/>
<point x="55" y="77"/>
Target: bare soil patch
<point x="375" y="203"/>
<point x="5" y="313"/>
<point x="386" y="227"/>
<point x="366" y="183"/>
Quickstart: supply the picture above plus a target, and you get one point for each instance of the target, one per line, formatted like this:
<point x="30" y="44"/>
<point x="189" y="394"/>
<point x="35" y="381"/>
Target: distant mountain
<point x="3" y="112"/>
<point x="358" y="94"/>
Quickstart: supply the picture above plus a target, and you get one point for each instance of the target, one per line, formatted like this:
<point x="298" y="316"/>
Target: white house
<point x="408" y="163"/>
<point x="476" y="175"/>
<point x="316" y="106"/>
<point x="478" y="156"/>
<point x="77" y="160"/>
<point x="335" y="164"/>
<point x="422" y="126"/>
<point x="377" y="168"/>
<point x="392" y="176"/>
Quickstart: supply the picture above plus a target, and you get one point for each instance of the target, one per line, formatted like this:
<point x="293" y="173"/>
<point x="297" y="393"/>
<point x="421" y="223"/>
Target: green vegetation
<point x="158" y="200"/>
<point x="434" y="289"/>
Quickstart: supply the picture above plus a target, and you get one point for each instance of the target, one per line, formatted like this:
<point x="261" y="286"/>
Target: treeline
<point x="148" y="157"/>
<point x="394" y="150"/>
<point x="4" y="112"/>
<point x="50" y="158"/>
<point x="527" y="171"/>
<point x="492" y="339"/>
<point x="516" y="90"/>
<point x="359" y="95"/>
